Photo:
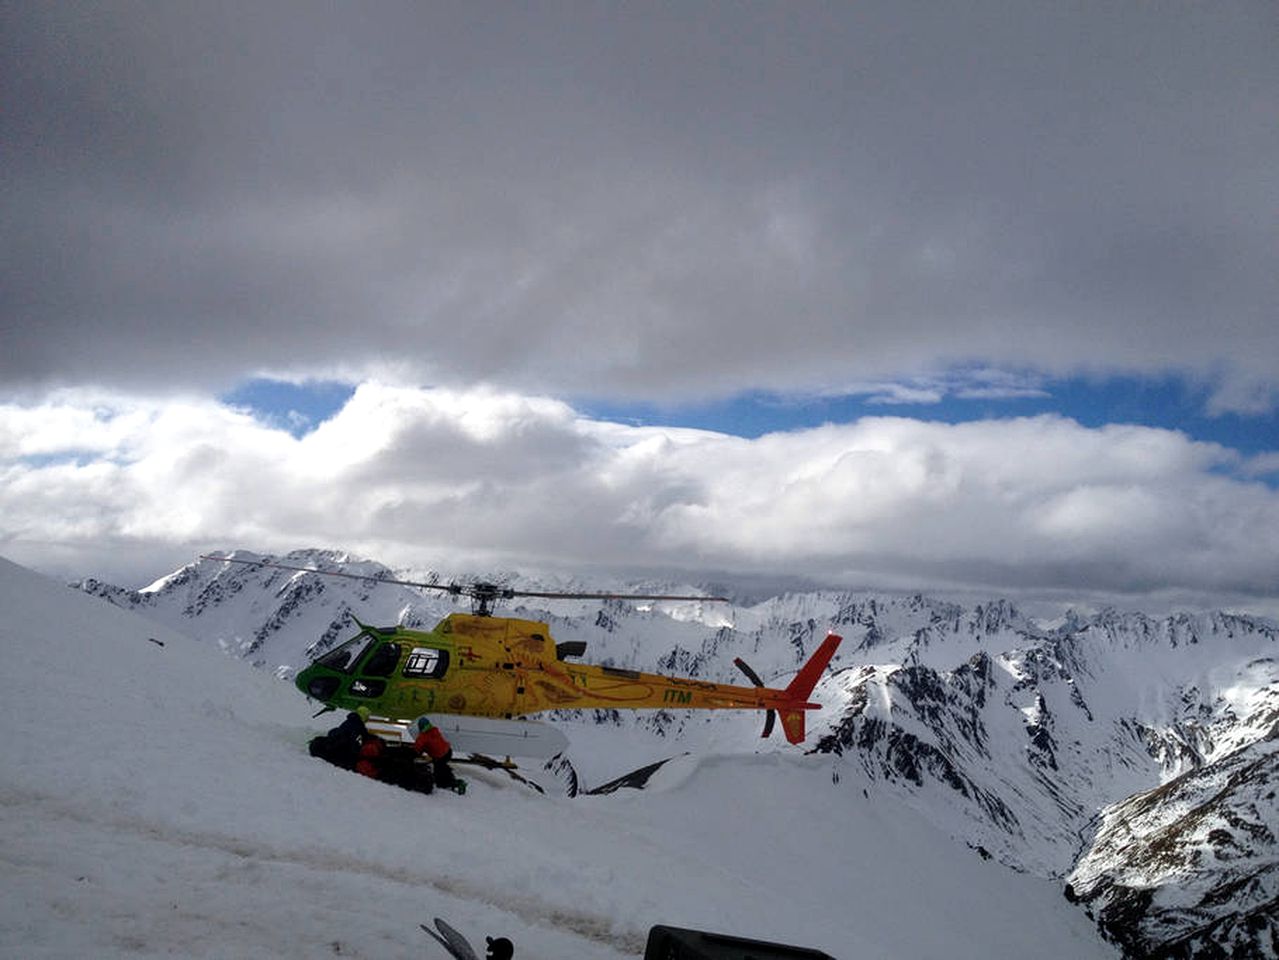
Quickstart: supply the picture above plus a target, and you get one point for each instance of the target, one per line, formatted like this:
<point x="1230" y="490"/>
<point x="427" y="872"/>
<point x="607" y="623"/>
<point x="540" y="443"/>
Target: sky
<point x="972" y="297"/>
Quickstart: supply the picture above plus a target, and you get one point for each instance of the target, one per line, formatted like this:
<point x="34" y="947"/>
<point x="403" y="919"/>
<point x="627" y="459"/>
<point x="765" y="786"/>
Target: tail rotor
<point x="769" y="718"/>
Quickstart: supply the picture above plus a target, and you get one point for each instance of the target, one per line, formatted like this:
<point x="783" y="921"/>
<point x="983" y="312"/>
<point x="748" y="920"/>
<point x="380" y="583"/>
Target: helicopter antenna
<point x="483" y="594"/>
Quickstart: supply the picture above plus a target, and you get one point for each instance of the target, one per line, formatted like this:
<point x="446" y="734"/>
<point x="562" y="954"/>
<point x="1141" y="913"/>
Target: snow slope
<point x="157" y="800"/>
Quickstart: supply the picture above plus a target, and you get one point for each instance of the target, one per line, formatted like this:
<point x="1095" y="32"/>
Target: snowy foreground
<point x="156" y="799"/>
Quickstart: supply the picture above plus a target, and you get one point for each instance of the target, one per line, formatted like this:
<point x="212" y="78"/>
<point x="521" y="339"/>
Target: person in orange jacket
<point x="369" y="760"/>
<point x="432" y="742"/>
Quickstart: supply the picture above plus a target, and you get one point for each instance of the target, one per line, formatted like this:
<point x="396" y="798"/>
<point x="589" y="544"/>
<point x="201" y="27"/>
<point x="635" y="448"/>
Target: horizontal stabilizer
<point x="799" y="689"/>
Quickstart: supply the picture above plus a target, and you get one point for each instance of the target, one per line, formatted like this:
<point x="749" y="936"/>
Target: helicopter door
<point x="383" y="661"/>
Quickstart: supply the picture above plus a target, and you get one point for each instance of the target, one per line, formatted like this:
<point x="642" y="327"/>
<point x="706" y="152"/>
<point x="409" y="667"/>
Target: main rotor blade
<point x="551" y="595"/>
<point x="503" y="593"/>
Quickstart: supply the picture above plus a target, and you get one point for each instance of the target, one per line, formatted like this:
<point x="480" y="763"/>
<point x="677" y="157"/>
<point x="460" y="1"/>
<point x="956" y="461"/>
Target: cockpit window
<point x="426" y="662"/>
<point x="345" y="656"/>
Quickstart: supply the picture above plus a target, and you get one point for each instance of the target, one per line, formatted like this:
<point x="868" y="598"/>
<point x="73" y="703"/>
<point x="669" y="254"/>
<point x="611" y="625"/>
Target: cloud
<point x="1245" y="395"/>
<point x="496" y="479"/>
<point x="638" y="203"/>
<point x="963" y="384"/>
<point x="1266" y="464"/>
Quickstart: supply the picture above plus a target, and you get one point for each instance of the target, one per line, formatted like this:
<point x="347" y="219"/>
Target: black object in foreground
<point x="674" y="943"/>
<point x="452" y="941"/>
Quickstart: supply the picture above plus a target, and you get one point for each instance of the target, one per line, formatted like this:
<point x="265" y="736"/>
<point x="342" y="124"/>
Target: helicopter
<point x="508" y="668"/>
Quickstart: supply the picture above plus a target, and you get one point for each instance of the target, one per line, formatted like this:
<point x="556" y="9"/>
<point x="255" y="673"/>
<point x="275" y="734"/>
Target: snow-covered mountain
<point x="158" y="800"/>
<point x="1016" y="737"/>
<point x="1189" y="869"/>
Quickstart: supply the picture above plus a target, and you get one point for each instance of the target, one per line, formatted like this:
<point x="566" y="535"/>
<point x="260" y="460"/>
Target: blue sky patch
<point x="65" y="458"/>
<point x="1172" y="403"/>
<point x="296" y="407"/>
<point x="1168" y="402"/>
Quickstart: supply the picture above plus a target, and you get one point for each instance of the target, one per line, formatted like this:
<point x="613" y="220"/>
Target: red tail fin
<point x="799" y="689"/>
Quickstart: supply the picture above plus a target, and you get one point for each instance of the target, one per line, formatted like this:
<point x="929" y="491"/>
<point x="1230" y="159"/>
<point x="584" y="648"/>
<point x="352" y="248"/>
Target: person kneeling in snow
<point x="341" y="746"/>
<point x="431" y="741"/>
<point x="395" y="764"/>
<point x="352" y="746"/>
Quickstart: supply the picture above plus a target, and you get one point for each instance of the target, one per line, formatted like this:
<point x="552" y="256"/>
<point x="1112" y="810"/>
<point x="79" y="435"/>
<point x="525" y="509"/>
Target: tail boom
<point x="608" y="687"/>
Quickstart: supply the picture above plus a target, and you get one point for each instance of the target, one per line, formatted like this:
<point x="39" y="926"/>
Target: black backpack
<point x="341" y="745"/>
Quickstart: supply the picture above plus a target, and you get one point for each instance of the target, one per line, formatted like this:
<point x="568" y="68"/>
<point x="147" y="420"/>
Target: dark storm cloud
<point x="643" y="200"/>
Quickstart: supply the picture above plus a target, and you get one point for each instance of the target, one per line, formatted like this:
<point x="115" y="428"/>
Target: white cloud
<point x="964" y="383"/>
<point x="1248" y="394"/>
<point x="1266" y="464"/>
<point x="416" y="476"/>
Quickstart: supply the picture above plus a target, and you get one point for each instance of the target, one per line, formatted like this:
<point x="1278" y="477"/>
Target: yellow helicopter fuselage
<point x="508" y="667"/>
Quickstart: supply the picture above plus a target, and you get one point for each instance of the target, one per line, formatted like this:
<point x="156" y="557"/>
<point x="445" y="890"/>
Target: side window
<point x="383" y="661"/>
<point x="426" y="662"/>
